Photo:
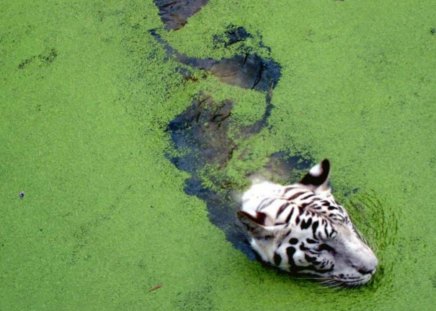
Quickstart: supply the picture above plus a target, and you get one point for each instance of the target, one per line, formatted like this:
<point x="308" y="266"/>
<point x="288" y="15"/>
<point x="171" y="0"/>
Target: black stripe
<point x="332" y="232"/>
<point x="306" y="223"/>
<point x="260" y="218"/>
<point x="314" y="227"/>
<point x="326" y="232"/>
<point x="295" y="195"/>
<point x="307" y="203"/>
<point x="293" y="241"/>
<point x="297" y="220"/>
<point x="307" y="196"/>
<point x="262" y="203"/>
<point x="282" y="208"/>
<point x="309" y="258"/>
<point x="290" y="215"/>
<point x="277" y="259"/>
<point x="303" y="247"/>
<point x="328" y="248"/>
<point x="289" y="188"/>
<point x="290" y="251"/>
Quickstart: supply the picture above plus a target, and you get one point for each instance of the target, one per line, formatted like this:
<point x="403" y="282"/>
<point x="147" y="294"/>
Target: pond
<point x="129" y="128"/>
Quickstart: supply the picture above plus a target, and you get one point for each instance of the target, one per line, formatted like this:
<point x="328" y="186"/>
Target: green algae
<point x="105" y="219"/>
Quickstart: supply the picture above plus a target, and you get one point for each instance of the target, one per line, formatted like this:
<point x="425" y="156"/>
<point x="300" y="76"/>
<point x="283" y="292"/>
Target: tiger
<point x="301" y="229"/>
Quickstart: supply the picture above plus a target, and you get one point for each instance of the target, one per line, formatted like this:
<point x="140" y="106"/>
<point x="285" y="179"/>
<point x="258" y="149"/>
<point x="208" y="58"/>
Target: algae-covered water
<point x="95" y="212"/>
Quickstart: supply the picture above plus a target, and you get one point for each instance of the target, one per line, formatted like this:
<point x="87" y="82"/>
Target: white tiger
<point x="300" y="228"/>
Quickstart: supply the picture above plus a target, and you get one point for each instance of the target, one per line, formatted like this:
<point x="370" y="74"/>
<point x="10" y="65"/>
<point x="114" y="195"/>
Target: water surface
<point x="86" y="97"/>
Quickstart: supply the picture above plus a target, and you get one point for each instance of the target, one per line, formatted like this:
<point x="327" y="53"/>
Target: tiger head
<point x="300" y="228"/>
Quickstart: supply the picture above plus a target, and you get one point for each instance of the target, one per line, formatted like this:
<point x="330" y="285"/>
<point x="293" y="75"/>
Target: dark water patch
<point x="202" y="129"/>
<point x="175" y="13"/>
<point x="187" y="74"/>
<point x="233" y="34"/>
<point x="283" y="167"/>
<point x="249" y="71"/>
<point x="200" y="137"/>
<point x="243" y="40"/>
<point x="222" y="208"/>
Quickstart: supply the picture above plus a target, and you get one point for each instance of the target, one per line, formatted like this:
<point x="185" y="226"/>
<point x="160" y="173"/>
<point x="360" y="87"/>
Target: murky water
<point x="129" y="138"/>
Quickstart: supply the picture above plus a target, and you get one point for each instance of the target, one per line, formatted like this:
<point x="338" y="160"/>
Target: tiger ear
<point x="255" y="225"/>
<point x="317" y="179"/>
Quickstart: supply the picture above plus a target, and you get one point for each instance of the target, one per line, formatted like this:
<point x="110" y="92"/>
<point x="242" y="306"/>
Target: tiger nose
<point x="368" y="267"/>
<point x="366" y="271"/>
<point x="366" y="262"/>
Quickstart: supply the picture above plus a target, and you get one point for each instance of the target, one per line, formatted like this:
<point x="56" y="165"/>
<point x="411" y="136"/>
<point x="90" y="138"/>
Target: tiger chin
<point x="300" y="228"/>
